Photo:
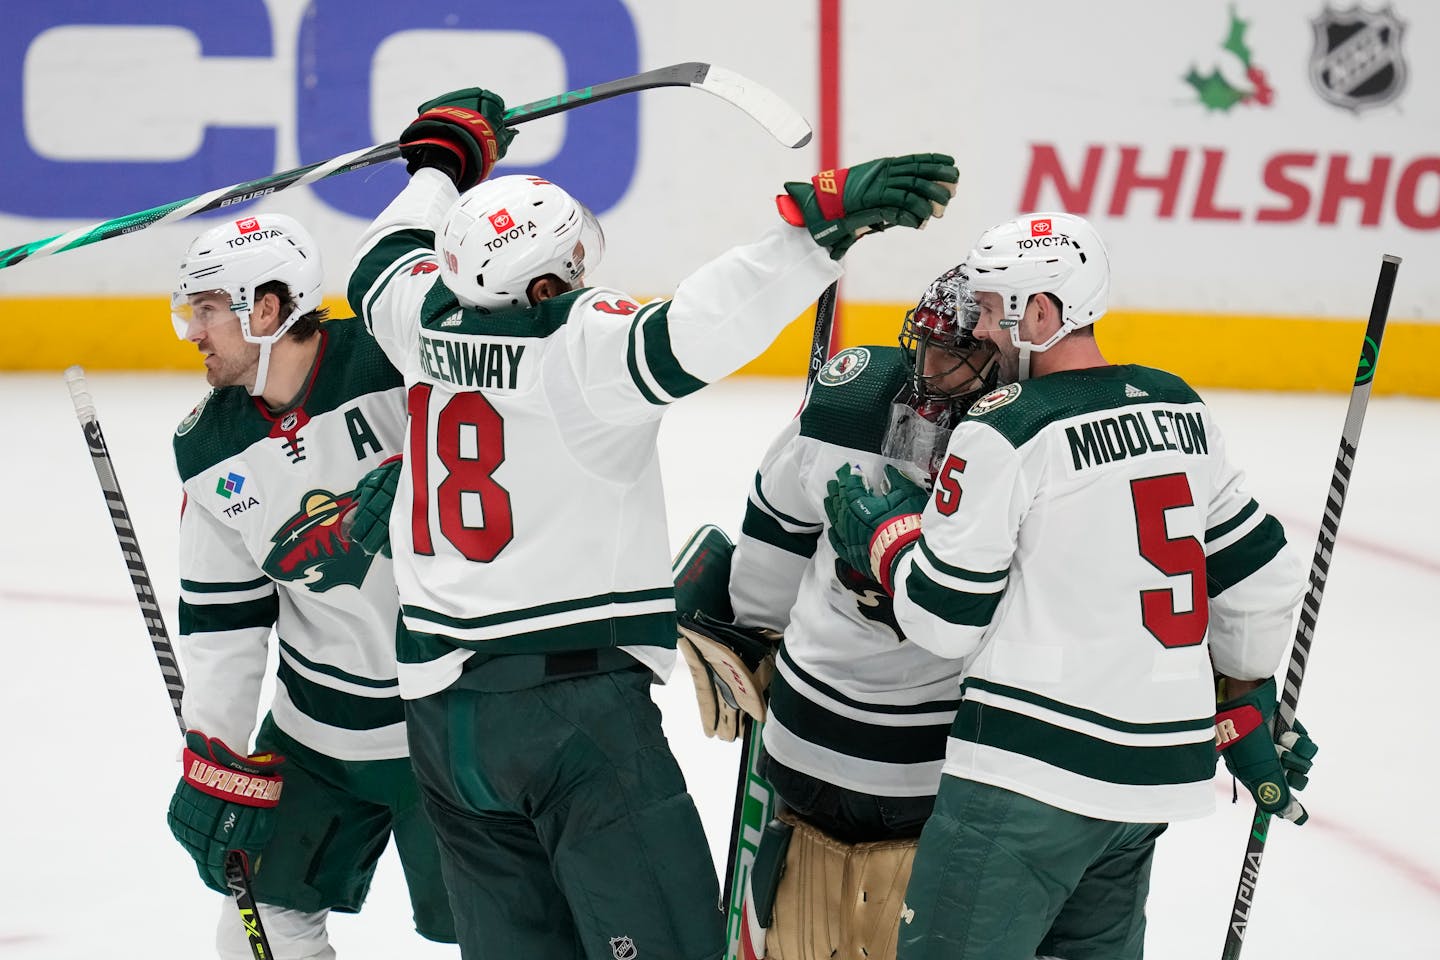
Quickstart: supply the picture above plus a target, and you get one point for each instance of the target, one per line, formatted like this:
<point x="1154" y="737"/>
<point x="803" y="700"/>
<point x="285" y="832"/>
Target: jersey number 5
<point x="947" y="485"/>
<point x="469" y="442"/>
<point x="1153" y="496"/>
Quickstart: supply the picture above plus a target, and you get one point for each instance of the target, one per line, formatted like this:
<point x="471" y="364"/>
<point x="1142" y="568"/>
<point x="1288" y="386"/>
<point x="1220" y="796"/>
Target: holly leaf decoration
<point x="1216" y="93"/>
<point x="1235" y="42"/>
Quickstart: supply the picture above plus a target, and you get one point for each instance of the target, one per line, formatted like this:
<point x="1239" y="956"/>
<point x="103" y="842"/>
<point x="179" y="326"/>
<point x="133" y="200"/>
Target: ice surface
<point x="90" y="871"/>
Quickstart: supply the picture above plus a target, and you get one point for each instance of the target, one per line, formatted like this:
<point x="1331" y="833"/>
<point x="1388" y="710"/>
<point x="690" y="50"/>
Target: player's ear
<point x="265" y="315"/>
<point x="543" y="288"/>
<point x="1047" y="312"/>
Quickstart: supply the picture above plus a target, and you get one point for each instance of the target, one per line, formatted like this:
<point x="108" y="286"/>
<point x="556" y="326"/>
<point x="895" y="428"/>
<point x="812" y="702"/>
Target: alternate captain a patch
<point x="843" y="367"/>
<point x="995" y="399"/>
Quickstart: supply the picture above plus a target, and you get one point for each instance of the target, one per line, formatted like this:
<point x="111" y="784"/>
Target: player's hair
<point x="309" y="324"/>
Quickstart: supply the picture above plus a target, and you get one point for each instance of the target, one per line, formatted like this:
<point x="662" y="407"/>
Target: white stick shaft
<point x="80" y="394"/>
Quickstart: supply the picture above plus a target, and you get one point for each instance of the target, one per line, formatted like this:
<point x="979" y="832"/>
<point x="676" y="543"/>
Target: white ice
<point x="90" y="871"/>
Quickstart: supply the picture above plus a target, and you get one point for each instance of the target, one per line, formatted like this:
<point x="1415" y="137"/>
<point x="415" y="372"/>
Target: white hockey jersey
<point x="259" y="548"/>
<point x="531" y="515"/>
<point x="852" y="702"/>
<point x="1090" y="548"/>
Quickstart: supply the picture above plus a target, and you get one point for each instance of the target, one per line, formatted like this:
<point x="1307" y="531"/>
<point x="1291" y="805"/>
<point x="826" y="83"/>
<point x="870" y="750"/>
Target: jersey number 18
<point x="469" y="442"/>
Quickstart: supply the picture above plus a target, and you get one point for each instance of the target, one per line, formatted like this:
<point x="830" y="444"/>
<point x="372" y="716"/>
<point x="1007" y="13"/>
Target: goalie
<point x="854" y="735"/>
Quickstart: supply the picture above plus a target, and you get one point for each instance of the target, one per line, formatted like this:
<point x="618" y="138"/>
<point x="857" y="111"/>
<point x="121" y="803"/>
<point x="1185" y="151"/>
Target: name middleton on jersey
<point x="471" y="363"/>
<point x="1134" y="434"/>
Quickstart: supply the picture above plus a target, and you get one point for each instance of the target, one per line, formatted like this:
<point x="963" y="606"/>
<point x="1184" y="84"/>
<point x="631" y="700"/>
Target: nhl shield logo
<point x="1357" y="62"/>
<point x="623" y="948"/>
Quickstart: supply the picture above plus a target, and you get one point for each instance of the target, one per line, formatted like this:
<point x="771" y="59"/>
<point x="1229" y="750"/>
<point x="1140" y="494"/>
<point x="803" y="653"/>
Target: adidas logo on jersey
<point x="1133" y="391"/>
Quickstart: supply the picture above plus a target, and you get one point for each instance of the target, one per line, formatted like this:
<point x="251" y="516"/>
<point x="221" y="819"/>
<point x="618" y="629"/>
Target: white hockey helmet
<point x="1055" y="253"/>
<point x="503" y="233"/>
<point x="240" y="255"/>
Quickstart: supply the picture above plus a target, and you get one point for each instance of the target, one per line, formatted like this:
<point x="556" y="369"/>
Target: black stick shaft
<point x="237" y="869"/>
<point x="1310" y="606"/>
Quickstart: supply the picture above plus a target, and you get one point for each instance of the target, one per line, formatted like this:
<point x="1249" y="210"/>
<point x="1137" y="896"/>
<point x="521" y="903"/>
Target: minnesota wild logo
<point x="1223" y="90"/>
<point x="309" y="547"/>
<point x="871" y="600"/>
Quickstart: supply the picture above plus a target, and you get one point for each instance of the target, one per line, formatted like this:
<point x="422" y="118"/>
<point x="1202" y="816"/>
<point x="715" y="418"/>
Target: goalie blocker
<point x="730" y="665"/>
<point x="809" y="895"/>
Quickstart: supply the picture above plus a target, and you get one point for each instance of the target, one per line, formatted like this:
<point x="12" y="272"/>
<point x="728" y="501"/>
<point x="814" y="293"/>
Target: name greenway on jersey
<point x="471" y="363"/>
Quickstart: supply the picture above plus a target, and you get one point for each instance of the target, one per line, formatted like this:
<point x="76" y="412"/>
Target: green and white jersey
<point x="531" y="516"/>
<point x="1089" y="548"/>
<point x="852" y="702"/>
<point x="260" y="548"/>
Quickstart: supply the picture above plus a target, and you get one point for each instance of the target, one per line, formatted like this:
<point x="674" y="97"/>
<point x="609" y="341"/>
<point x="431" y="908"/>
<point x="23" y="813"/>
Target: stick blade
<point x="783" y="121"/>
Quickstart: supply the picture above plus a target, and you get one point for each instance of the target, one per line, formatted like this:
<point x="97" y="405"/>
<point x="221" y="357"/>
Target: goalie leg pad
<point x="839" y="900"/>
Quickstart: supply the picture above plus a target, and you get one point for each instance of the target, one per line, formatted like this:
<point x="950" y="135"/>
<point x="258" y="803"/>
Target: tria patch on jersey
<point x="193" y="417"/>
<point x="844" y="367"/>
<point x="995" y="399"/>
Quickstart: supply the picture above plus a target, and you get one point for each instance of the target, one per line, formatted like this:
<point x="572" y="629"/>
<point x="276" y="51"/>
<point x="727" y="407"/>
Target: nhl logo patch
<point x="844" y="367"/>
<point x="995" y="399"/>
<point x="193" y="417"/>
<point x="623" y="948"/>
<point x="1356" y="62"/>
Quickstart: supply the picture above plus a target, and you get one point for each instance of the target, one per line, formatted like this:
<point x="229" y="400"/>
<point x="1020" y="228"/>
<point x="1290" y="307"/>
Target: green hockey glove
<point x="838" y="206"/>
<point x="1269" y="768"/>
<point x="368" y="521"/>
<point x="869" y="530"/>
<point x="730" y="665"/>
<point x="223" y="802"/>
<point x="462" y="134"/>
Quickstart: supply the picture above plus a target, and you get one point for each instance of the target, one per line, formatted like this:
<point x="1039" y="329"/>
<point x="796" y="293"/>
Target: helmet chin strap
<point x="262" y="369"/>
<point x="1026" y="348"/>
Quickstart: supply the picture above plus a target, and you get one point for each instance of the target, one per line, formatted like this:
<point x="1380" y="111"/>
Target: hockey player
<point x="855" y="732"/>
<point x="529" y="533"/>
<point x="270" y="460"/>
<point x="1094" y="556"/>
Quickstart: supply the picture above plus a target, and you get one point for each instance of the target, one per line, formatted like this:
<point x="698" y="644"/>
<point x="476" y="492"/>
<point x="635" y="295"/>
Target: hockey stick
<point x="755" y="800"/>
<point x="237" y="871"/>
<point x="1319" y="570"/>
<point x="783" y="121"/>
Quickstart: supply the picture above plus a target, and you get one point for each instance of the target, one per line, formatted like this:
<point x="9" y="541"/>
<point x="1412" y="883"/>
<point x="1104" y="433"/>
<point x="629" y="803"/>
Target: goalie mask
<point x="949" y="369"/>
<point x="237" y="257"/>
<point x="1055" y="253"/>
<point x="502" y="235"/>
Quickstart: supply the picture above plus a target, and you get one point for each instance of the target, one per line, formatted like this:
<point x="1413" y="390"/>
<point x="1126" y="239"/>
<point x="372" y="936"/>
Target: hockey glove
<point x="223" y="802"/>
<point x="462" y="134"/>
<point x="837" y="206"/>
<point x="368" y="522"/>
<point x="730" y="665"/>
<point x="1269" y="768"/>
<point x="869" y="530"/>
